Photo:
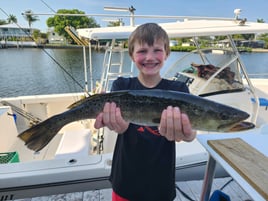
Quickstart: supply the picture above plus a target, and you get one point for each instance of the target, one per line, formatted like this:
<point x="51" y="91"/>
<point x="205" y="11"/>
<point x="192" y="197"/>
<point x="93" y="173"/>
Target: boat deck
<point x="191" y="188"/>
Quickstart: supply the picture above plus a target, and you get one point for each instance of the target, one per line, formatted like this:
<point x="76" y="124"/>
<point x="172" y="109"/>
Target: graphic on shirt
<point x="142" y="129"/>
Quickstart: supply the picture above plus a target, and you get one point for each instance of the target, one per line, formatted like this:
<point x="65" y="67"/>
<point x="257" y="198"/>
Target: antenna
<point x="131" y="10"/>
<point x="237" y="12"/>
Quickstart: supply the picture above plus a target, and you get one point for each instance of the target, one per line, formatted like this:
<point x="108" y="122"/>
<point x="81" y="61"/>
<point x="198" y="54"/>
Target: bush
<point x="182" y="48"/>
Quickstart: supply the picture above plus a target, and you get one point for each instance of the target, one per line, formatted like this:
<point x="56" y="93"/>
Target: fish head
<point x="209" y="115"/>
<point x="225" y="118"/>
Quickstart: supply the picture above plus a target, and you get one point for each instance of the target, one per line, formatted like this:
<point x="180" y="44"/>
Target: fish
<point x="142" y="107"/>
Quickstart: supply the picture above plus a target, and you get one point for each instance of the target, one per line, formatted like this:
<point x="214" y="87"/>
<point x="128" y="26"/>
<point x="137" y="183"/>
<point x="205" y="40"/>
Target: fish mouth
<point x="243" y="125"/>
<point x="240" y="126"/>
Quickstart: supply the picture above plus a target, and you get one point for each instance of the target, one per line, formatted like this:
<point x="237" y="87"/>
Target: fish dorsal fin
<point x="79" y="102"/>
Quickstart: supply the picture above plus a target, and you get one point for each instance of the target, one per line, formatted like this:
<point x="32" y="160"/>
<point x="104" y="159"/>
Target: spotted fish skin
<point x="139" y="107"/>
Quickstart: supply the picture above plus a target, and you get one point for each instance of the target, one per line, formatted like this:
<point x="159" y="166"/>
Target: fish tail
<point x="38" y="136"/>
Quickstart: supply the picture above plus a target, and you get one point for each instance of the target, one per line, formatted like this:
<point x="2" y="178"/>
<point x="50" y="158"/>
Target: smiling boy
<point x="143" y="167"/>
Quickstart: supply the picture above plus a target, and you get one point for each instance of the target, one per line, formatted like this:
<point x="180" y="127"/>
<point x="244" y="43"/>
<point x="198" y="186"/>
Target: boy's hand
<point x="175" y="125"/>
<point x="111" y="117"/>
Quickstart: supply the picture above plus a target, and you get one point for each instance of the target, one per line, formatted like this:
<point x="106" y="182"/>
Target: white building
<point x="9" y="31"/>
<point x="13" y="35"/>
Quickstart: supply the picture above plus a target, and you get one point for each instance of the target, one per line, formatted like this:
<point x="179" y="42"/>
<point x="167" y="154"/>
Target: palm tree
<point x="260" y="20"/>
<point x="30" y="17"/>
<point x="12" y="19"/>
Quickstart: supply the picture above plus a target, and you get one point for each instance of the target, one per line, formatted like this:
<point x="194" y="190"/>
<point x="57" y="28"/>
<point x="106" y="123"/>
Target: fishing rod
<point x="48" y="54"/>
<point x="48" y="6"/>
<point x="84" y="56"/>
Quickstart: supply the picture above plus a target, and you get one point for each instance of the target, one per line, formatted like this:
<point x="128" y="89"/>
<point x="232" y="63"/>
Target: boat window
<point x="216" y="72"/>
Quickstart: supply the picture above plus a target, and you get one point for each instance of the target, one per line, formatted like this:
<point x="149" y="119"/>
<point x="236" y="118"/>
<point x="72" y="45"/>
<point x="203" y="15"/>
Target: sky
<point x="251" y="9"/>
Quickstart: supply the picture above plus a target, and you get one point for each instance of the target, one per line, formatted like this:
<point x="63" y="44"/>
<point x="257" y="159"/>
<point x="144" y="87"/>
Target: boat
<point x="79" y="158"/>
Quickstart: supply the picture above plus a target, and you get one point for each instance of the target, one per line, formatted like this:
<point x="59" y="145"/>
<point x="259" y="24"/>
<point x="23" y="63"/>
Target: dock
<point x="190" y="188"/>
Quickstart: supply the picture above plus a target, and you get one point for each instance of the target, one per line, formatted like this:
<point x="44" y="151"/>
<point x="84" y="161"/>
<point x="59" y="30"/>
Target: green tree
<point x="40" y="37"/>
<point x="2" y="22"/>
<point x="30" y="18"/>
<point x="244" y="36"/>
<point x="116" y="23"/>
<point x="59" y="22"/>
<point x="263" y="36"/>
<point x="260" y="20"/>
<point x="12" y="19"/>
<point x="36" y="34"/>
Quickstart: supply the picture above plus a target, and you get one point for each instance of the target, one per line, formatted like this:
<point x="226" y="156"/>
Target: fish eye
<point x="224" y="115"/>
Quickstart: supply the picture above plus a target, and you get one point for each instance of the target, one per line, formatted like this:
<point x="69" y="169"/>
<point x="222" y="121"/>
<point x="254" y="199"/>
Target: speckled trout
<point x="142" y="107"/>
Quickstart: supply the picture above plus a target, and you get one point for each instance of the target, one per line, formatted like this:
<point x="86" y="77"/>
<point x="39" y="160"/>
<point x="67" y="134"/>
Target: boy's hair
<point x="148" y="33"/>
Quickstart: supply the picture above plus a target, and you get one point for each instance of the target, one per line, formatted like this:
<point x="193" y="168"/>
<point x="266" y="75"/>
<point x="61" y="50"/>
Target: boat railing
<point x="32" y="118"/>
<point x="204" y="86"/>
<point x="201" y="89"/>
<point x="113" y="66"/>
<point x="167" y="17"/>
<point x="245" y="74"/>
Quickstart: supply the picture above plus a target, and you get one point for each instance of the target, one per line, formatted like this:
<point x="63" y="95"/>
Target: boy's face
<point x="149" y="59"/>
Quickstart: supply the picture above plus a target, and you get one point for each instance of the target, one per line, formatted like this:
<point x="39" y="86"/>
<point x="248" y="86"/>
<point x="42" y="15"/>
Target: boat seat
<point x="262" y="102"/>
<point x="73" y="144"/>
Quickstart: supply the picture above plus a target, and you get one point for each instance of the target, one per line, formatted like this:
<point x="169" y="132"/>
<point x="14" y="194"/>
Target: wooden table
<point x="243" y="156"/>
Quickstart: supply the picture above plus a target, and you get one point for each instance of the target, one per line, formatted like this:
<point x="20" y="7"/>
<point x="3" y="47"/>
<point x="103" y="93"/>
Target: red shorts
<point x="116" y="197"/>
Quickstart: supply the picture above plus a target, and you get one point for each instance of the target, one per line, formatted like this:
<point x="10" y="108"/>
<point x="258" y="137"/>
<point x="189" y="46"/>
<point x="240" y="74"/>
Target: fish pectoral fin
<point x="244" y="125"/>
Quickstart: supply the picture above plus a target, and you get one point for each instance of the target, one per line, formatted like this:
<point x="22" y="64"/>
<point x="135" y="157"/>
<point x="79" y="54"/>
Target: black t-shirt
<point x="143" y="167"/>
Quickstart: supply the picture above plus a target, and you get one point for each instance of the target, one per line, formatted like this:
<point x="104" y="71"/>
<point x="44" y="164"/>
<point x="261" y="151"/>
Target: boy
<point x="143" y="166"/>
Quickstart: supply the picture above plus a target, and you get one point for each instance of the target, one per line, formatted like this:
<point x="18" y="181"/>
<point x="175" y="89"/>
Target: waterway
<point x="33" y="71"/>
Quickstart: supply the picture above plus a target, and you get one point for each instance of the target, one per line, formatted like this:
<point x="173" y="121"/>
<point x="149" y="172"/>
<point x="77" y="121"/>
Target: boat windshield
<point x="208" y="72"/>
